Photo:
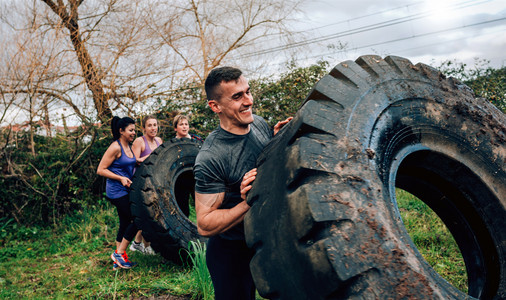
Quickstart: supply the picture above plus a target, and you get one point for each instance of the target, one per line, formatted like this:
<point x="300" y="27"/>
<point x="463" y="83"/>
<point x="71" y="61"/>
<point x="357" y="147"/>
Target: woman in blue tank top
<point x="117" y="166"/>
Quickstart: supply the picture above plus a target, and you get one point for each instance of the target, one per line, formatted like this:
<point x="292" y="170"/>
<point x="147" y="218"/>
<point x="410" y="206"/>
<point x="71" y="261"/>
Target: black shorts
<point x="228" y="264"/>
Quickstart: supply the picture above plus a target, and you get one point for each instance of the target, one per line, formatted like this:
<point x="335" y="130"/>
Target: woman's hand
<point x="125" y="181"/>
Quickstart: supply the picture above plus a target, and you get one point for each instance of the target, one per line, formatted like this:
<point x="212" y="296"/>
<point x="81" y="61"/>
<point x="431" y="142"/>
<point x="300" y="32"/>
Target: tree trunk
<point x="90" y="74"/>
<point x="92" y="78"/>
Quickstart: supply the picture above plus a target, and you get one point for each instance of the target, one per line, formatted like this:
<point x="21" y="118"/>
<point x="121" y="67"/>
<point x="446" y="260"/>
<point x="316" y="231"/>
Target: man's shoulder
<point x="258" y="119"/>
<point x="210" y="139"/>
<point x="260" y="125"/>
<point x="207" y="150"/>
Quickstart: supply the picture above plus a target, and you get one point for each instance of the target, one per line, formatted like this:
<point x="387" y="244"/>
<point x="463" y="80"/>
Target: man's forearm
<point x="220" y="220"/>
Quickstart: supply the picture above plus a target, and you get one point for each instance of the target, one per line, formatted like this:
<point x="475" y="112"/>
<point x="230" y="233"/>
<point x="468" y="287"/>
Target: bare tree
<point x="205" y="34"/>
<point x="111" y="55"/>
<point x="94" y="50"/>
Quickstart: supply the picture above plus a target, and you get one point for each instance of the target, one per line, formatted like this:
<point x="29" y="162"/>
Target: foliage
<point x="54" y="179"/>
<point x="491" y="86"/>
<point x="484" y="80"/>
<point x="279" y="98"/>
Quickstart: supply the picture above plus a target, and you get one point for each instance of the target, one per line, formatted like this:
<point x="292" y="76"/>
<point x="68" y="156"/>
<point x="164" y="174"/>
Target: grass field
<point x="432" y="239"/>
<point x="72" y="260"/>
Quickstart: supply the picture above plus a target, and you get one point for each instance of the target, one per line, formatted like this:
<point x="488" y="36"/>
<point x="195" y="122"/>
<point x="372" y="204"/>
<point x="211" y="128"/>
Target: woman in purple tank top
<point x="142" y="147"/>
<point x="117" y="166"/>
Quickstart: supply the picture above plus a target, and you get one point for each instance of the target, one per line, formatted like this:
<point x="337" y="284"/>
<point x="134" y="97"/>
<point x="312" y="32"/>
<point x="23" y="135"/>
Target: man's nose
<point x="248" y="99"/>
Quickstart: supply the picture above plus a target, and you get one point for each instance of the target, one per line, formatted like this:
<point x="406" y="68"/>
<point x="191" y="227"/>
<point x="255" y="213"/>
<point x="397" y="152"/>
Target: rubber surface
<point x="324" y="221"/>
<point x="160" y="198"/>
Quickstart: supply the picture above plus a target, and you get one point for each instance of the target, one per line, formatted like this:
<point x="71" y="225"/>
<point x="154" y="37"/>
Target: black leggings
<point x="228" y="264"/>
<point x="127" y="228"/>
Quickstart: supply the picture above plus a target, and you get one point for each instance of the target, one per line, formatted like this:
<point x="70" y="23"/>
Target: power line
<point x="362" y="29"/>
<point x="403" y="39"/>
<point x="362" y="17"/>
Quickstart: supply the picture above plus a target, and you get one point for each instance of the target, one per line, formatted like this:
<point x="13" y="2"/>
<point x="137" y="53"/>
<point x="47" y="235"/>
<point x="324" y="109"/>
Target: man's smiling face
<point x="234" y="106"/>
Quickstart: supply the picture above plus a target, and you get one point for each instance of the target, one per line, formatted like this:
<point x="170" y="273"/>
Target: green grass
<point x="72" y="260"/>
<point x="193" y="212"/>
<point x="432" y="239"/>
<point x="200" y="272"/>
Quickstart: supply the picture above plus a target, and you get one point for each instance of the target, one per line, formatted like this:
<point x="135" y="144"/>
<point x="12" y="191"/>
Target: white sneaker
<point x="149" y="251"/>
<point x="137" y="247"/>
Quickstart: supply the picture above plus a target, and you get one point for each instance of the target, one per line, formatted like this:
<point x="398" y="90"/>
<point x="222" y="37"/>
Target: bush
<point x="56" y="178"/>
<point x="485" y="81"/>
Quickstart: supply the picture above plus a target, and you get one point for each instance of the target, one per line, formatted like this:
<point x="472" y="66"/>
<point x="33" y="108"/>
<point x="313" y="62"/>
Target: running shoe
<point x="122" y="260"/>
<point x="149" y="251"/>
<point x="137" y="247"/>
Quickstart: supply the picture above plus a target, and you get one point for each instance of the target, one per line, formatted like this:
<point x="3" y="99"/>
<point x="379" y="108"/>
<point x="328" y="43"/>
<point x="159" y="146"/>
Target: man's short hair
<point x="216" y="76"/>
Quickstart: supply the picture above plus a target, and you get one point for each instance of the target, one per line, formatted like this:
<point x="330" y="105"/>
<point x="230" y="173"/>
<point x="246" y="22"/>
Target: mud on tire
<point x="160" y="198"/>
<point x="324" y="221"/>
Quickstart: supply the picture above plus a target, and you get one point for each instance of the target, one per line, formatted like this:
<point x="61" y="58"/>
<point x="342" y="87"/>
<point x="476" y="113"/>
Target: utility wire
<point x="358" y="30"/>
<point x="402" y="39"/>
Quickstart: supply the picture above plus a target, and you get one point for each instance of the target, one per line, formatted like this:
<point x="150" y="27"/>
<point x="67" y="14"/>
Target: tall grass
<point x="200" y="273"/>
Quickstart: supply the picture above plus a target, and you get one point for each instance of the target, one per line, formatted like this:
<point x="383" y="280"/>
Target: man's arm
<point x="211" y="220"/>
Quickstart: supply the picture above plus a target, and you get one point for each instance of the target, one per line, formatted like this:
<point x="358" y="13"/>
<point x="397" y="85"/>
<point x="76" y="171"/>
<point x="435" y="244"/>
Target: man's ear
<point x="214" y="105"/>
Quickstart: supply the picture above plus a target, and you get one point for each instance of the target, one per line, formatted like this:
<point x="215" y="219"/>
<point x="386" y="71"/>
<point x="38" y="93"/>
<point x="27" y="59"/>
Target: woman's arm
<point x="137" y="148"/>
<point x="112" y="153"/>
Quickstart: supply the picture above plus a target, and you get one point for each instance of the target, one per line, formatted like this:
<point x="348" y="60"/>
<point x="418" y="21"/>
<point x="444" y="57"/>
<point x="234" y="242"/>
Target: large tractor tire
<point x="324" y="222"/>
<point x="160" y="198"/>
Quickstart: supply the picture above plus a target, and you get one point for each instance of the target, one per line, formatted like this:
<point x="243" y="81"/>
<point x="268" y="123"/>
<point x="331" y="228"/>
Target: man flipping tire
<point x="223" y="167"/>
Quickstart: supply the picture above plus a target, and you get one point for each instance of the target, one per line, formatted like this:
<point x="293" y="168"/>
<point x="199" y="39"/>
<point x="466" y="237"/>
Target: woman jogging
<point x="117" y="166"/>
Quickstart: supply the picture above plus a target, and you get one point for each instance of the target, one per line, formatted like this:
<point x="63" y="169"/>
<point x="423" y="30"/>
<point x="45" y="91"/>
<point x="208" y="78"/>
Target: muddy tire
<point x="160" y="198"/>
<point x="324" y="222"/>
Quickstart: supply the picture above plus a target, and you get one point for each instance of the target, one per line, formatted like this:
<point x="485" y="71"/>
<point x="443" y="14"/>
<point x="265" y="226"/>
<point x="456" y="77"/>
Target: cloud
<point x="417" y="30"/>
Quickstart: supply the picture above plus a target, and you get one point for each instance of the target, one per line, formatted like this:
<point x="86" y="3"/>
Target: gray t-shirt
<point x="224" y="159"/>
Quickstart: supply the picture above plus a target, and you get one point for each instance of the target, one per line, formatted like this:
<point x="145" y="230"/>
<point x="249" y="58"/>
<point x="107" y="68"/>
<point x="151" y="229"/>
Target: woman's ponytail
<point x="118" y="123"/>
<point x="115" y="127"/>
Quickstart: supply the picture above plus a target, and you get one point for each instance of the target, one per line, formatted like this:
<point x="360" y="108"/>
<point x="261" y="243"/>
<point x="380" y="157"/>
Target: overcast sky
<point x="428" y="31"/>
